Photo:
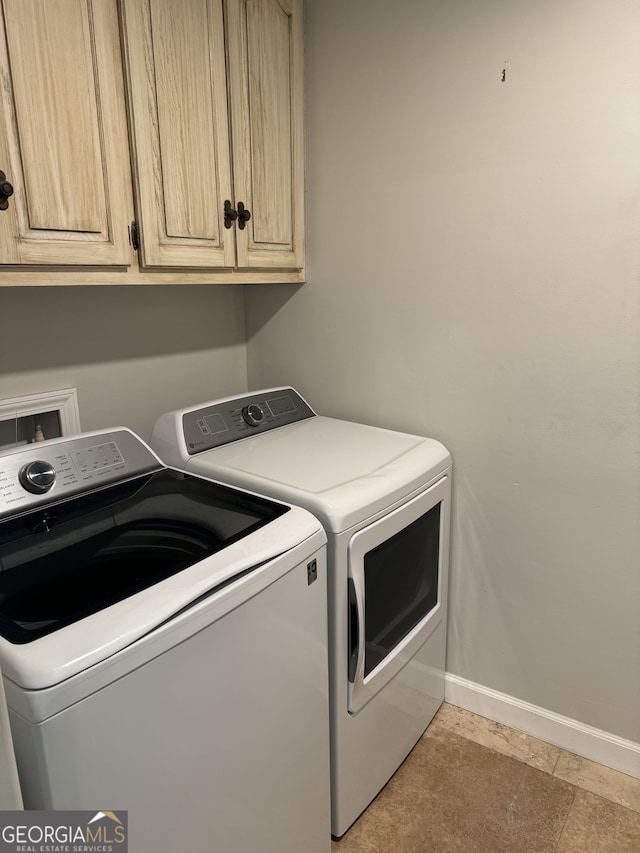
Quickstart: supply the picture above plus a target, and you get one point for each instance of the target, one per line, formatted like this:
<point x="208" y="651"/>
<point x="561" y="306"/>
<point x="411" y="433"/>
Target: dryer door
<point x="397" y="588"/>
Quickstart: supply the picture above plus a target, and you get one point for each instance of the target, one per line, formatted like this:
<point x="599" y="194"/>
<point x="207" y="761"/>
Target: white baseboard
<point x="589" y="742"/>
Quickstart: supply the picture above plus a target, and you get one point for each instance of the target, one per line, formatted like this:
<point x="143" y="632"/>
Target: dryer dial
<point x="252" y="415"/>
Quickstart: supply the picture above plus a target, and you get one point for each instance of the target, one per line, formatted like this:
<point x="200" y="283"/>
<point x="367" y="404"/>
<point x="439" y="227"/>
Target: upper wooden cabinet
<point x="63" y="134"/>
<point x="208" y="132"/>
<point x="266" y="92"/>
<point x="176" y="67"/>
<point x="162" y="111"/>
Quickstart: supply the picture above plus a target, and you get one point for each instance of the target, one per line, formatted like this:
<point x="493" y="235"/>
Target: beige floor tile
<point x="607" y="783"/>
<point x="455" y="796"/>
<point x="503" y="739"/>
<point x="596" y="825"/>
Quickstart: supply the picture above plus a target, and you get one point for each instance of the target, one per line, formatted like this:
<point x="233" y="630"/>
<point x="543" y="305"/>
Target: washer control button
<point x="252" y="415"/>
<point x="37" y="477"/>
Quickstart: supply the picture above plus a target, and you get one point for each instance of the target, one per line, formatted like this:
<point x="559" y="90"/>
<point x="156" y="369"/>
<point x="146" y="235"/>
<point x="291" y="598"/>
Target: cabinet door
<point x="176" y="68"/>
<point x="265" y="44"/>
<point x="63" y="134"/>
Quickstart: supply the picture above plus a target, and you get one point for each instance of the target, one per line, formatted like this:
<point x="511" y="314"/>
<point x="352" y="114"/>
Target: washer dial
<point x="37" y="477"/>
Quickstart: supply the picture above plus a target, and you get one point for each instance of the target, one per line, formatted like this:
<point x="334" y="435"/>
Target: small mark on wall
<point x="504" y="75"/>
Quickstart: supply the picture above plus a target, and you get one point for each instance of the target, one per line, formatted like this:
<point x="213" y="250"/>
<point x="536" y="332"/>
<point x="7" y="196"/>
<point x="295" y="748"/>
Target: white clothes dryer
<point x="163" y="645"/>
<point x="383" y="498"/>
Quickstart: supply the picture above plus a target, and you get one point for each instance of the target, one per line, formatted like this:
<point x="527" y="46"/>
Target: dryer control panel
<point x="240" y="417"/>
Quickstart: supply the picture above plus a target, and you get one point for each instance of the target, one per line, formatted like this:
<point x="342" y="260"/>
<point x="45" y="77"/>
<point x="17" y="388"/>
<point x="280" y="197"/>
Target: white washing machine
<point x="383" y="498"/>
<point x="163" y="647"/>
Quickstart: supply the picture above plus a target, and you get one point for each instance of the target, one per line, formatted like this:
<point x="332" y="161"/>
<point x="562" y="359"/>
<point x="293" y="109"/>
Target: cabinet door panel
<point x="269" y="84"/>
<point x="266" y="85"/>
<point x="64" y="140"/>
<point x="176" y="64"/>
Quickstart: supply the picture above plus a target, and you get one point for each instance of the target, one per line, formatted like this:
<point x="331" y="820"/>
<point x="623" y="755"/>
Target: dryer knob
<point x="252" y="415"/>
<point x="37" y="477"/>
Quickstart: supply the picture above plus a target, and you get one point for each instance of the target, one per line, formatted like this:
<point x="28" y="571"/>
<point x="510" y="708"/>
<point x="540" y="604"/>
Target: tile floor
<point x="474" y="786"/>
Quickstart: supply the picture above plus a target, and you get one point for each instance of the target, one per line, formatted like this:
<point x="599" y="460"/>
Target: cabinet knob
<point x="230" y="215"/>
<point x="6" y="191"/>
<point x="241" y="214"/>
<point x="244" y="215"/>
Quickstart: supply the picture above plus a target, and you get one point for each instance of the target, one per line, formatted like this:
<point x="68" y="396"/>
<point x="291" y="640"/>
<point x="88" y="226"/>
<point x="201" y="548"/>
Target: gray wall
<point x="473" y="275"/>
<point x="132" y="352"/>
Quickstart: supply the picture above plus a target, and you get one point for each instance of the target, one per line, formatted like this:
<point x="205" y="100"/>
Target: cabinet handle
<point x="6" y="191"/>
<point x="244" y="215"/>
<point x="230" y="215"/>
<point x="241" y="214"/>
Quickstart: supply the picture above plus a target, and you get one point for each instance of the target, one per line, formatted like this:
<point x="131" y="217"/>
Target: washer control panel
<point x="240" y="417"/>
<point x="51" y="470"/>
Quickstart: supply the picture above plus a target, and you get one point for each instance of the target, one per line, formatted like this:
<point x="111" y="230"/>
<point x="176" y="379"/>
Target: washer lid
<point x="341" y="471"/>
<point x="85" y="577"/>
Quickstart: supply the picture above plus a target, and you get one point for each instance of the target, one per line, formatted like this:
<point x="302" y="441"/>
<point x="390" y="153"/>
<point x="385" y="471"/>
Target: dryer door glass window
<point x="73" y="558"/>
<point x="401" y="585"/>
